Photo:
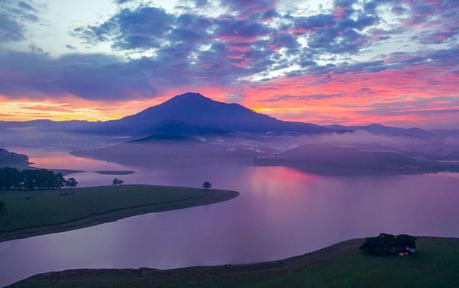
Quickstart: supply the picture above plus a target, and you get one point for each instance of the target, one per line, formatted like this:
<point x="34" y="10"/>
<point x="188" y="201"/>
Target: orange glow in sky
<point x="404" y="97"/>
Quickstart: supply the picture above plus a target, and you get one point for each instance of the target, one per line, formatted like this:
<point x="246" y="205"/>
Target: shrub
<point x="117" y="181"/>
<point x="71" y="183"/>
<point x="206" y="185"/>
<point x="388" y="244"/>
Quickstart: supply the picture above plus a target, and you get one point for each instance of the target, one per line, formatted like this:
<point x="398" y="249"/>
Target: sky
<point x="349" y="62"/>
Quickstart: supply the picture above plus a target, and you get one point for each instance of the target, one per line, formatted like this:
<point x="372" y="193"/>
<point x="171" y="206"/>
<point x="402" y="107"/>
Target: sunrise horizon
<point x="159" y="100"/>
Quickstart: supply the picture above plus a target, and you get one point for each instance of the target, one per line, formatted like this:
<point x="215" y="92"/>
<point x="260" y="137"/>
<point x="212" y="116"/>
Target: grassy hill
<point x="436" y="264"/>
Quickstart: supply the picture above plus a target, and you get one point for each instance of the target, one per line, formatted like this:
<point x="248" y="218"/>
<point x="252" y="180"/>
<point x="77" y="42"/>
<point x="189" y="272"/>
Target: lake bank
<point x="436" y="264"/>
<point x="32" y="213"/>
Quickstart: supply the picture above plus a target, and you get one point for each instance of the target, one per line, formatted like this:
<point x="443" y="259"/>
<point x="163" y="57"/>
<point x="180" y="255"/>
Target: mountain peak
<point x="197" y="111"/>
<point x="190" y="97"/>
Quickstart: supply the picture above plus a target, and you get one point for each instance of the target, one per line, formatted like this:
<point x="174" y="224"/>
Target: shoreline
<point x="272" y="273"/>
<point x="214" y="196"/>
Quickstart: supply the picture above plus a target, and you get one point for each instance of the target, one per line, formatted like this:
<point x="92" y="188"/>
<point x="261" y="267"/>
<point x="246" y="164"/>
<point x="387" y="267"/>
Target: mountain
<point x="201" y="114"/>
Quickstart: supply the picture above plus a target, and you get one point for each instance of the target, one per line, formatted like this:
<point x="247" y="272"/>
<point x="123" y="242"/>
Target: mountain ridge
<point x="205" y="115"/>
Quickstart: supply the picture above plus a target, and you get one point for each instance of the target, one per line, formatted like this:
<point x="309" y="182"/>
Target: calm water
<point x="280" y="213"/>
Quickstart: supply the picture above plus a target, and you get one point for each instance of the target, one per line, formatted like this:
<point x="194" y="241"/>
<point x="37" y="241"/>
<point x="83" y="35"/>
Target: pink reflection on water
<point x="62" y="160"/>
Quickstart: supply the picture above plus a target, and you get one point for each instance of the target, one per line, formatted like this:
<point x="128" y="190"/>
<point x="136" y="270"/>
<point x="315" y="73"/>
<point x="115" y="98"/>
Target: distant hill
<point x="11" y="159"/>
<point x="337" y="159"/>
<point x="166" y="149"/>
<point x="203" y="115"/>
<point x="176" y="130"/>
<point x="379" y="129"/>
<point x="44" y="124"/>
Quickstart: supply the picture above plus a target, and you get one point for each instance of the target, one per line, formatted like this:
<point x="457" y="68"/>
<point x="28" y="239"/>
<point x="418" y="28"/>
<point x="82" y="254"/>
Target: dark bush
<point x="2" y="206"/>
<point x="117" y="182"/>
<point x="206" y="185"/>
<point x="388" y="244"/>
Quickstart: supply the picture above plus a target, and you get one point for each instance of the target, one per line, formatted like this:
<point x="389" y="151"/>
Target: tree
<point x="10" y="178"/>
<point x="388" y="244"/>
<point x="206" y="185"/>
<point x="42" y="179"/>
<point x="2" y="206"/>
<point x="117" y="181"/>
<point x="71" y="183"/>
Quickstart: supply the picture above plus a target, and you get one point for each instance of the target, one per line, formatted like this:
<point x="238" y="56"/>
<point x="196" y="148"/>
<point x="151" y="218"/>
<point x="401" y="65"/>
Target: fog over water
<point x="281" y="212"/>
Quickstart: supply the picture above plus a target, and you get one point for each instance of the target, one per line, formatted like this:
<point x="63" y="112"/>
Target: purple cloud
<point x="196" y="49"/>
<point x="13" y="16"/>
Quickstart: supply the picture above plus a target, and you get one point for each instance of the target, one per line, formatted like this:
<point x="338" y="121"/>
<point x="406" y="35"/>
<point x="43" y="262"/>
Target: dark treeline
<point x="31" y="179"/>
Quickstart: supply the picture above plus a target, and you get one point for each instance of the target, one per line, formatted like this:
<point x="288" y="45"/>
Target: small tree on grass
<point x="117" y="182"/>
<point x="206" y="185"/>
<point x="71" y="183"/>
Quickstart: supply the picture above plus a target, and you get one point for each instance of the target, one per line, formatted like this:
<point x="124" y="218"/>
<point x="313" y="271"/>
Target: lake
<point x="281" y="212"/>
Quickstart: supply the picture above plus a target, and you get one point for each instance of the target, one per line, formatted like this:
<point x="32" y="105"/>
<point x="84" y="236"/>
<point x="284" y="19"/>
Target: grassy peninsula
<point x="436" y="264"/>
<point x="30" y="213"/>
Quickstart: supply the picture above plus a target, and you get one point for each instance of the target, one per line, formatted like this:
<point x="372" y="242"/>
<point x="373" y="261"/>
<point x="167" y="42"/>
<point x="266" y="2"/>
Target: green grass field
<point x="435" y="265"/>
<point x="30" y="213"/>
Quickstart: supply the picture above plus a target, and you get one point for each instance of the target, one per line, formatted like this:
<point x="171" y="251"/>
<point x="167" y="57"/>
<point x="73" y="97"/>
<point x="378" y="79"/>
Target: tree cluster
<point x="388" y="244"/>
<point x="31" y="179"/>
